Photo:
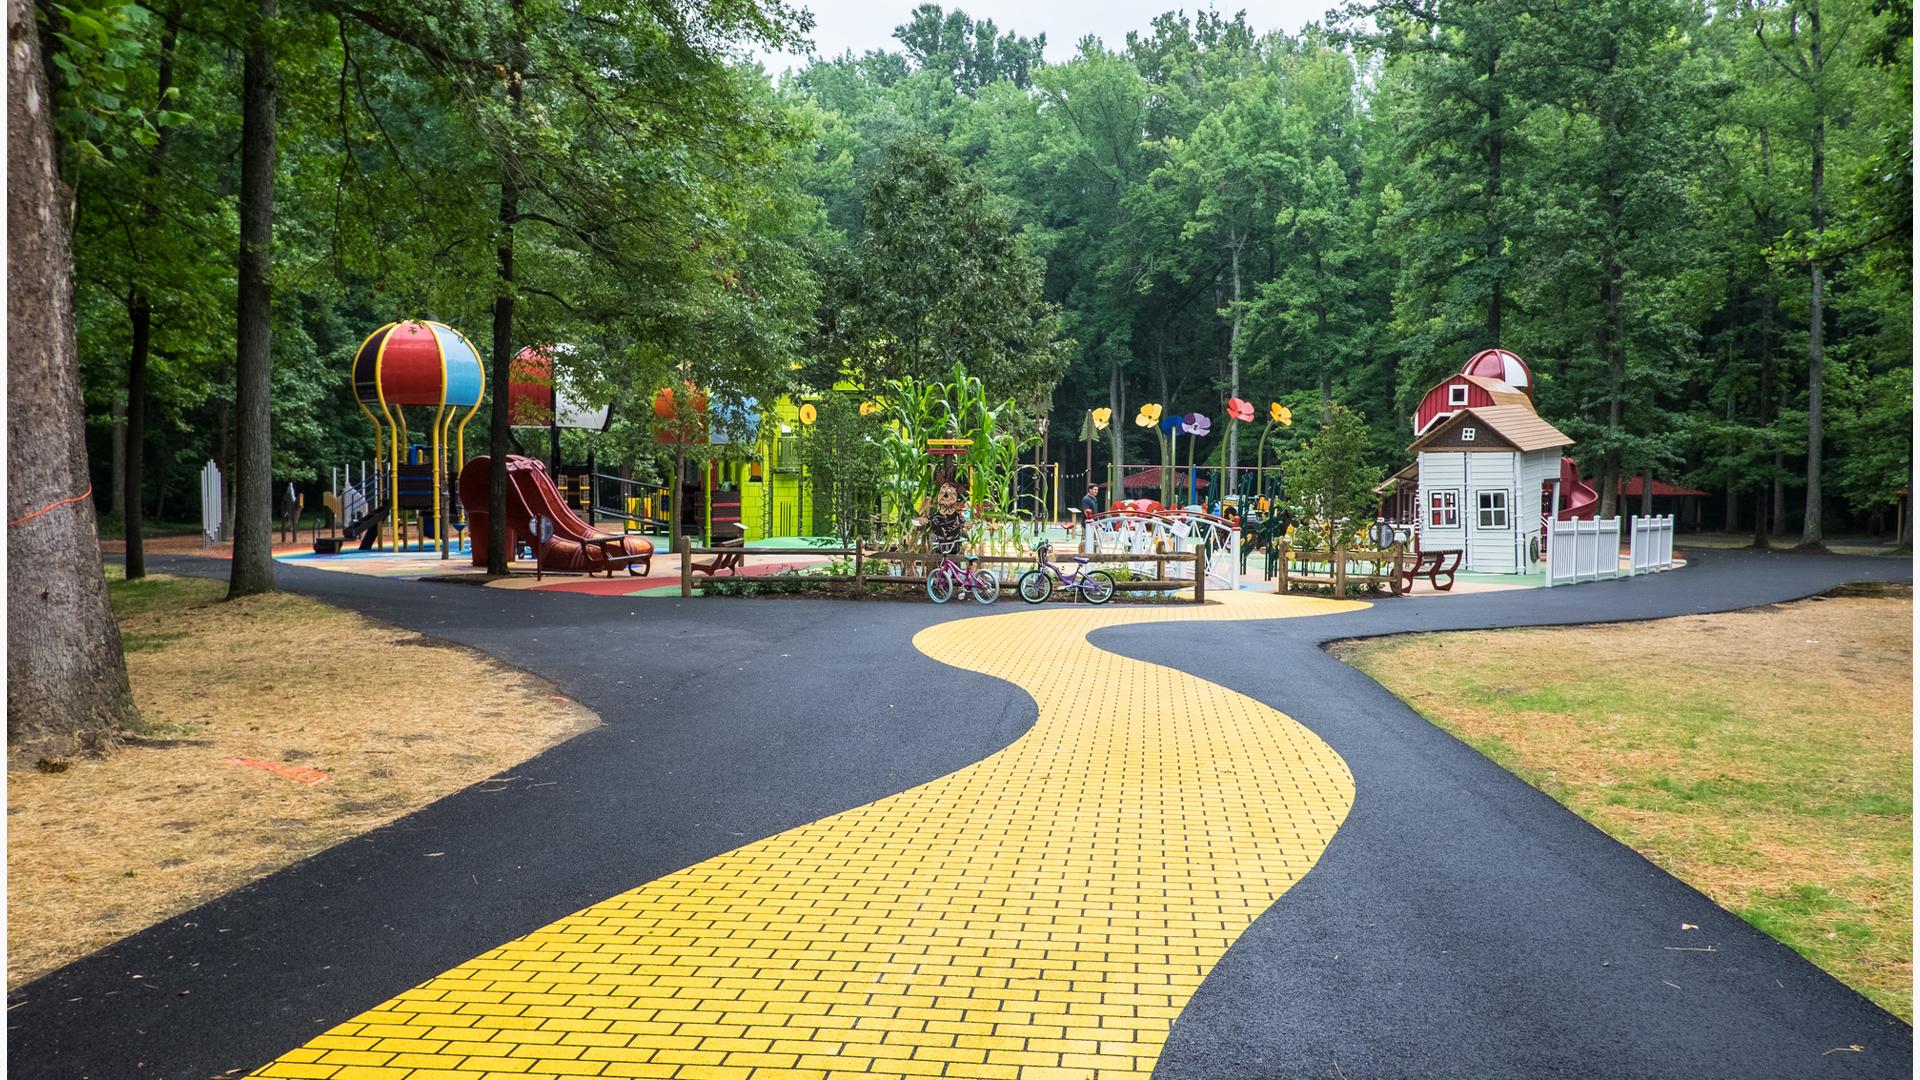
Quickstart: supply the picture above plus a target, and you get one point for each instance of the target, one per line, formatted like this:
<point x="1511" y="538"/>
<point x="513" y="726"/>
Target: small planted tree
<point x="1330" y="482"/>
<point x="845" y="453"/>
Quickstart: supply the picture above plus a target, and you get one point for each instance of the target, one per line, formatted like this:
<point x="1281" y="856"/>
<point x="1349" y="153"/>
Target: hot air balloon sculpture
<point x="418" y="363"/>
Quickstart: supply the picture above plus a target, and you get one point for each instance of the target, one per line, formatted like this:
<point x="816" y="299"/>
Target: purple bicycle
<point x="951" y="575"/>
<point x="1037" y="584"/>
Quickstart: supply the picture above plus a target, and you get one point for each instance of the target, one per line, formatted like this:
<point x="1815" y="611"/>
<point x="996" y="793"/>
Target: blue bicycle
<point x="1037" y="584"/>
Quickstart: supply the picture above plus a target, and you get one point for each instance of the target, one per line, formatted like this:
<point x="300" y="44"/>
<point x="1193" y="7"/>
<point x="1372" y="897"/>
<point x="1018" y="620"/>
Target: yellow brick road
<point x="1043" y="913"/>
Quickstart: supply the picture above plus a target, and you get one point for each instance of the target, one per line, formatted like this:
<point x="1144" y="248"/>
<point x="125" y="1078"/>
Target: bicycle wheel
<point x="1099" y="587"/>
<point x="985" y="586"/>
<point x="940" y="585"/>
<point x="1036" y="586"/>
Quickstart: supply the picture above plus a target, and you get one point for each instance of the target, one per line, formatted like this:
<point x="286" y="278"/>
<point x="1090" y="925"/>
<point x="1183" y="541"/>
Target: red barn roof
<point x="1150" y="478"/>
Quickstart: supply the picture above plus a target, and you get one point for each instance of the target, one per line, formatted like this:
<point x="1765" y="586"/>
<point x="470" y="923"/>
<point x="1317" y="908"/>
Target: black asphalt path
<point x="1460" y="924"/>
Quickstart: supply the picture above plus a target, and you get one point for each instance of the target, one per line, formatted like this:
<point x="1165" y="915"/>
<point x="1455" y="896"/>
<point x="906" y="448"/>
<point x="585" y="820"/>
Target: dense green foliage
<point x="1657" y="203"/>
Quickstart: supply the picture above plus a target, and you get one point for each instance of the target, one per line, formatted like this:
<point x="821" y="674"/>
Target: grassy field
<point x="1765" y="757"/>
<point x="242" y="704"/>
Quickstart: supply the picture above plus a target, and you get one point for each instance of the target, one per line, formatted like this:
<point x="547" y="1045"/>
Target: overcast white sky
<point x="839" y="25"/>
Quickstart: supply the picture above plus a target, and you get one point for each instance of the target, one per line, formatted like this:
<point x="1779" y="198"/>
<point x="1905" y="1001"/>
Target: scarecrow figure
<point x="945" y="514"/>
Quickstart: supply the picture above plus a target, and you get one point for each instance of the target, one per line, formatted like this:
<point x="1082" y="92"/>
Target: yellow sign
<point x="808" y="414"/>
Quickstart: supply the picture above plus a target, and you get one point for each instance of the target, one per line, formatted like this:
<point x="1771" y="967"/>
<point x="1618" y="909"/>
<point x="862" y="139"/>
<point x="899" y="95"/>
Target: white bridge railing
<point x="1134" y="532"/>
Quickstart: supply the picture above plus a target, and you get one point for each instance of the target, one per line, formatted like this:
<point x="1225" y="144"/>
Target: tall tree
<point x="1804" y="52"/>
<point x="66" y="678"/>
<point x="938" y="276"/>
<point x="253" y="355"/>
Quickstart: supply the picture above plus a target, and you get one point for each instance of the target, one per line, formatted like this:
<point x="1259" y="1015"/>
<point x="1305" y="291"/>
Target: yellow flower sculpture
<point x="1281" y="414"/>
<point x="1101" y="417"/>
<point x="1149" y="415"/>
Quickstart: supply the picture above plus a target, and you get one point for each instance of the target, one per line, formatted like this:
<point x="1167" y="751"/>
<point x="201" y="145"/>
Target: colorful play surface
<point x="662" y="578"/>
<point x="1044" y="913"/>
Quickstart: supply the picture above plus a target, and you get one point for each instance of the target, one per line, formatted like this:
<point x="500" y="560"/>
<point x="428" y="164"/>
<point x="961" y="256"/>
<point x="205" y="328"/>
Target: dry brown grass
<point x="111" y="846"/>
<point x="1765" y="757"/>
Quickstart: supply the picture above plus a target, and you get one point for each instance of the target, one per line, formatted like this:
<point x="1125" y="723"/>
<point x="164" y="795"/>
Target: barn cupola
<point x="1503" y="366"/>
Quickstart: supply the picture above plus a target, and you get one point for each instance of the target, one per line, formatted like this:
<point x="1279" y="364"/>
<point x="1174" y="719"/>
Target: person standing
<point x="1089" y="506"/>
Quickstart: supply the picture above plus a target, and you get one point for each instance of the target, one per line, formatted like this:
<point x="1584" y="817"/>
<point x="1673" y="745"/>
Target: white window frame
<point x="1457" y="394"/>
<point x="1467" y="433"/>
<point x="1503" y="512"/>
<point x="1436" y="507"/>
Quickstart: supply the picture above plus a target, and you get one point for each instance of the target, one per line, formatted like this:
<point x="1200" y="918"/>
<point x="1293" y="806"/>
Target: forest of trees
<point x="1691" y="218"/>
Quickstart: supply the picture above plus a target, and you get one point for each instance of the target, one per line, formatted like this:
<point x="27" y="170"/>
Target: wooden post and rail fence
<point x="1331" y="569"/>
<point x="917" y="562"/>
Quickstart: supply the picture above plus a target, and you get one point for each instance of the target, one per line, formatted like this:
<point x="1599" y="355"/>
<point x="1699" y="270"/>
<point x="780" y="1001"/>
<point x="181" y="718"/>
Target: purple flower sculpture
<point x="1196" y="424"/>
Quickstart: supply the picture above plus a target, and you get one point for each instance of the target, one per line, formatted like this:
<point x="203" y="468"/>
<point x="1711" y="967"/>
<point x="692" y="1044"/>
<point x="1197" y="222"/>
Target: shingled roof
<point x="1517" y="424"/>
<point x="1501" y="392"/>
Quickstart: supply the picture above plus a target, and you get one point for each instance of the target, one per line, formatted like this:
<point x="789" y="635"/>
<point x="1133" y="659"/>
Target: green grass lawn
<point x="1764" y="757"/>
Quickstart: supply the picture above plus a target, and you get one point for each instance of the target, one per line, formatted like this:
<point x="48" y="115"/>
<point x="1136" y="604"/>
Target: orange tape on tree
<point x="50" y="509"/>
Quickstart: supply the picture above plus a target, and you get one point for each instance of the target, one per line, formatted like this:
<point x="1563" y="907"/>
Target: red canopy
<point x="1661" y="489"/>
<point x="1150" y="478"/>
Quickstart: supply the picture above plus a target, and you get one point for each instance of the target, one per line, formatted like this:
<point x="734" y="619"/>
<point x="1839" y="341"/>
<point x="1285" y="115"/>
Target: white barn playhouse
<point x="1488" y="472"/>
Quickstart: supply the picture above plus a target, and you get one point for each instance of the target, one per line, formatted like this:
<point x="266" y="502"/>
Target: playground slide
<point x="576" y="547"/>
<point x="1579" y="499"/>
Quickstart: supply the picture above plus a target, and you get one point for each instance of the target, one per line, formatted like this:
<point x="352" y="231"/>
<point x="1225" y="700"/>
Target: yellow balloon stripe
<point x="1043" y="913"/>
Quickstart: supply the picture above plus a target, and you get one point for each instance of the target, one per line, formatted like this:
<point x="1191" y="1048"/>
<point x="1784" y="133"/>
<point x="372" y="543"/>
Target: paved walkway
<point x="1046" y="912"/>
<point x="1458" y="924"/>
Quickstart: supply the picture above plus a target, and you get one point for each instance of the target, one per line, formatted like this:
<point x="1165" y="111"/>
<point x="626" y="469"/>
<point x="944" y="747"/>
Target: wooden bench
<point x="609" y="560"/>
<point x="729" y="561"/>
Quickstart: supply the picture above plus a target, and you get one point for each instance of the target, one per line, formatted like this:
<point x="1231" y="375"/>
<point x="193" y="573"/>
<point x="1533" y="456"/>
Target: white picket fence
<point x="1590" y="550"/>
<point x="1650" y="549"/>
<point x="1583" y="551"/>
<point x="212" y="502"/>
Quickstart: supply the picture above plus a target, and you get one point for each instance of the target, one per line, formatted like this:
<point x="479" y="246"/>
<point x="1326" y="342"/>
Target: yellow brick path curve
<point x="1043" y="913"/>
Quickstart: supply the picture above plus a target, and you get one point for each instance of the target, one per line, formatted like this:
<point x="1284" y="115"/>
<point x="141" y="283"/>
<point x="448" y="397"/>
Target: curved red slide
<point x="1581" y="498"/>
<point x="576" y="547"/>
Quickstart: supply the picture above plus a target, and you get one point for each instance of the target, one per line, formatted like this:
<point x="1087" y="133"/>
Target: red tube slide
<point x="575" y="548"/>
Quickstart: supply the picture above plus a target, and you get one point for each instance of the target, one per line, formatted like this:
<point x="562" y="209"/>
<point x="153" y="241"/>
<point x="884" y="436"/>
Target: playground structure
<point x="415" y="364"/>
<point x="540" y="518"/>
<point x="1489" y="476"/>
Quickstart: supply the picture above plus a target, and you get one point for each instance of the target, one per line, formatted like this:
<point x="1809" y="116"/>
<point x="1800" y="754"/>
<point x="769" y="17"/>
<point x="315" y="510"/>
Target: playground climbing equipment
<point x="420" y="364"/>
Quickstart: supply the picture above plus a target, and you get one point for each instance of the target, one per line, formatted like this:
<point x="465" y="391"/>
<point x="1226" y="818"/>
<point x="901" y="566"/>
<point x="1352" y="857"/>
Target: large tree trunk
<point x="140" y="315"/>
<point x="66" y="679"/>
<point x="119" y="452"/>
<point x="132" y="463"/>
<point x="500" y="427"/>
<point x="1811" y="531"/>
<point x="1768" y="410"/>
<point x="253" y="361"/>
